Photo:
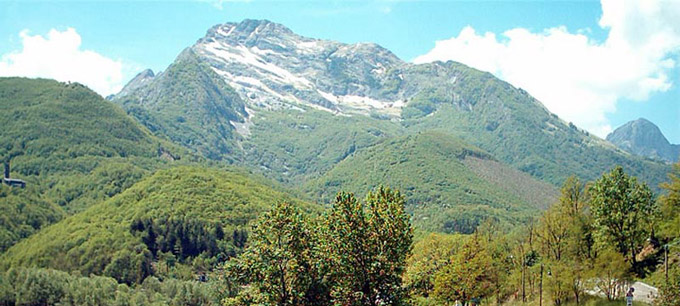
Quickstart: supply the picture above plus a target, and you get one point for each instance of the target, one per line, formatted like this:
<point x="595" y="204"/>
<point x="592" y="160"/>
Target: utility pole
<point x="524" y="299"/>
<point x="540" y="288"/>
<point x="523" y="268"/>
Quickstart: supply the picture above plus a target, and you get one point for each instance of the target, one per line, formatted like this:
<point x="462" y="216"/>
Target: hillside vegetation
<point x="451" y="186"/>
<point x="294" y="147"/>
<point x="31" y="286"/>
<point x="73" y="149"/>
<point x="594" y="237"/>
<point x="181" y="213"/>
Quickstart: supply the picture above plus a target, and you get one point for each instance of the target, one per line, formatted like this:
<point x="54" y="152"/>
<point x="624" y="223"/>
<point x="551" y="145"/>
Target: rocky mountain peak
<point x="260" y="27"/>
<point x="642" y="137"/>
<point x="271" y="67"/>
<point x="250" y="32"/>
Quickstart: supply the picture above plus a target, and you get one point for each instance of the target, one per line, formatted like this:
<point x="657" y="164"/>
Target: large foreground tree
<point x="353" y="255"/>
<point x="279" y="262"/>
<point x="624" y="212"/>
<point x="368" y="245"/>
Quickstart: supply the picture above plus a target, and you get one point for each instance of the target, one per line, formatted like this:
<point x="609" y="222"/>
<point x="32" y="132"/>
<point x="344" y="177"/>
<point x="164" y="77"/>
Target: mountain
<point x="450" y="186"/>
<point x="73" y="149"/>
<point x="294" y="108"/>
<point x="274" y="71"/>
<point x="644" y="138"/>
<point x="186" y="211"/>
<point x="189" y="104"/>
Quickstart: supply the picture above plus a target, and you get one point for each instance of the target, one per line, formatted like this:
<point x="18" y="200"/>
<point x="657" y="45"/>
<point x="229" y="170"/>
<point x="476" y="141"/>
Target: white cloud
<point x="59" y="56"/>
<point x="576" y="77"/>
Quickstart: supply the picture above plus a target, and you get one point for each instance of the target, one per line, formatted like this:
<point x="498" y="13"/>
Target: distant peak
<point x="637" y="126"/>
<point x="642" y="137"/>
<point x="640" y="124"/>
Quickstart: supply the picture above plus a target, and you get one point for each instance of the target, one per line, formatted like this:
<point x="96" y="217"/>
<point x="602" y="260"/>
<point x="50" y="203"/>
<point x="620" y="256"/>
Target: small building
<point x="10" y="181"/>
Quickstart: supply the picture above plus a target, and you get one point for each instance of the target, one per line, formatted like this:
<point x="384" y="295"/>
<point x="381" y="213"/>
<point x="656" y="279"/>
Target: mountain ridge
<point x="297" y="69"/>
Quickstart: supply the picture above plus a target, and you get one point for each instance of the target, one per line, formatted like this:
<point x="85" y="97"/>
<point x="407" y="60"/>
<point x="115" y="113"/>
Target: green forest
<point x="599" y="235"/>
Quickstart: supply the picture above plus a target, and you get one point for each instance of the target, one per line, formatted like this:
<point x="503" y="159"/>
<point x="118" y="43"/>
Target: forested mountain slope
<point x="73" y="149"/>
<point x="450" y="186"/>
<point x="184" y="212"/>
<point x="512" y="125"/>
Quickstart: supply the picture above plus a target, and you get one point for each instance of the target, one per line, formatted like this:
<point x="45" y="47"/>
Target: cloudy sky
<point x="597" y="64"/>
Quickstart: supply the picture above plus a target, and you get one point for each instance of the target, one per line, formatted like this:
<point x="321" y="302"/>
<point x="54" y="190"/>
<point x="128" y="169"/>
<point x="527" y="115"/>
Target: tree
<point x="574" y="201"/>
<point x="429" y="255"/>
<point x="524" y="256"/>
<point x="558" y="281"/>
<point x="279" y="261"/>
<point x="95" y="290"/>
<point x="670" y="204"/>
<point x="368" y="245"/>
<point x="577" y="276"/>
<point x="552" y="232"/>
<point x="499" y="250"/>
<point x="573" y="196"/>
<point x="38" y="287"/>
<point x="130" y="265"/>
<point x="623" y="211"/>
<point x="565" y="236"/>
<point x="467" y="276"/>
<point x="670" y="230"/>
<point x="610" y="273"/>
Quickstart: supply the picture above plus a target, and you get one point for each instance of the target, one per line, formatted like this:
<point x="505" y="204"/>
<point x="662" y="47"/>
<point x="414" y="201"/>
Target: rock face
<point x="274" y="68"/>
<point x="644" y="138"/>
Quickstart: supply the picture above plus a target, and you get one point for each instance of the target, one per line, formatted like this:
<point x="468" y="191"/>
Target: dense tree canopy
<point x="281" y="261"/>
<point x="670" y="204"/>
<point x="467" y="277"/>
<point x="356" y="255"/>
<point x="624" y="211"/>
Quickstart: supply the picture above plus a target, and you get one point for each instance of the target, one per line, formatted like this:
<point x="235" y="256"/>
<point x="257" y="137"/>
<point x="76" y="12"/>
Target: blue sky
<point x="119" y="38"/>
